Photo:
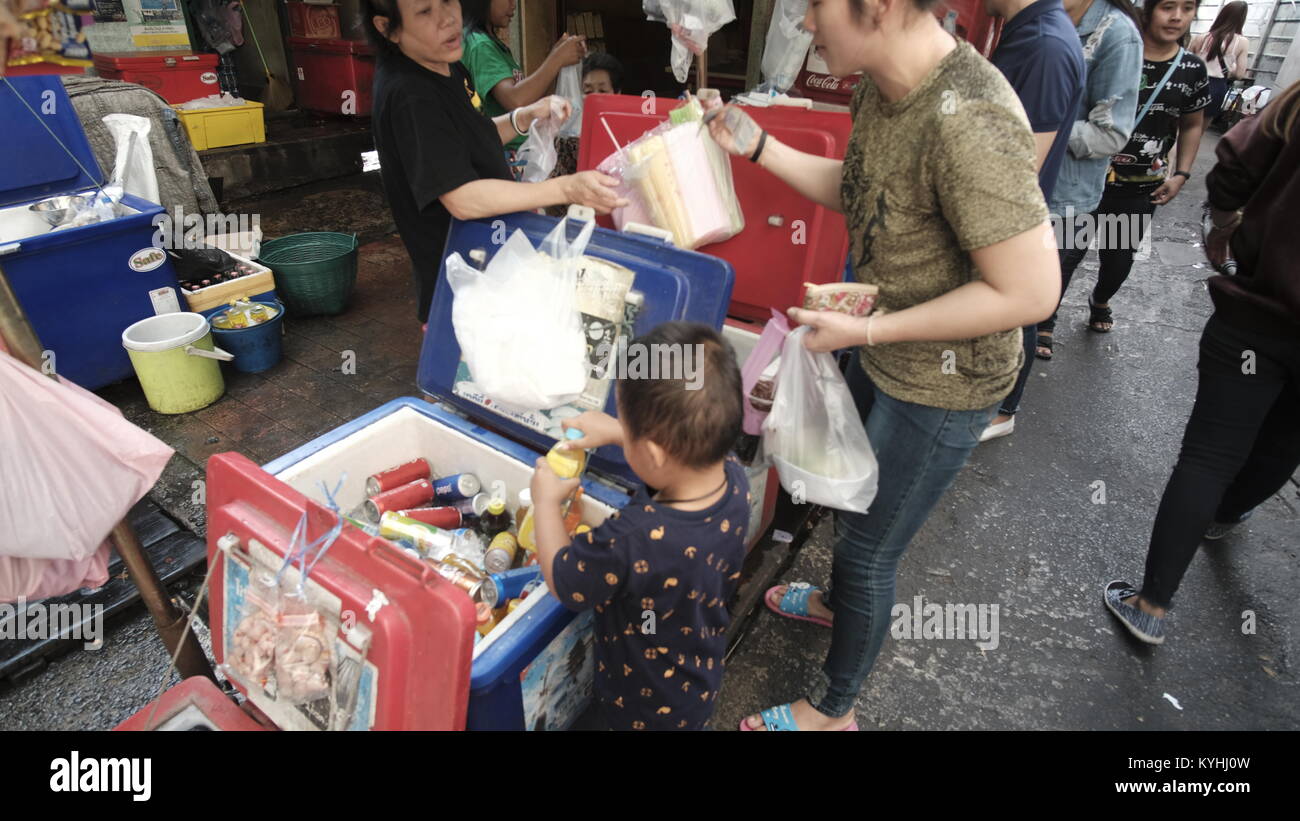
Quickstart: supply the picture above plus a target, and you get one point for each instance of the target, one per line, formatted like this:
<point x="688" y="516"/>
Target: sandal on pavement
<point x="1144" y="626"/>
<point x="1098" y="316"/>
<point x="781" y="718"/>
<point x="794" y="604"/>
<point x="1043" y="343"/>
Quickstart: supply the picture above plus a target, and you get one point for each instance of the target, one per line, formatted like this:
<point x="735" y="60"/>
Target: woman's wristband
<point x="758" y="151"/>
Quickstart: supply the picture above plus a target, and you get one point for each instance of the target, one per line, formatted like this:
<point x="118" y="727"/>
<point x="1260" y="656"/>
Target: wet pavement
<point x="1020" y="529"/>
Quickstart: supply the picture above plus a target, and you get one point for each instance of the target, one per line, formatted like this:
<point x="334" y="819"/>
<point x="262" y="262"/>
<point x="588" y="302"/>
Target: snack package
<point x="852" y="298"/>
<point x="303" y="660"/>
<point x="254" y="640"/>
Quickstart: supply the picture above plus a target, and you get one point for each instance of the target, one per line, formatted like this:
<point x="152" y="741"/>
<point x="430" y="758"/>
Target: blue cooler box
<point x="534" y="670"/>
<point x="80" y="287"/>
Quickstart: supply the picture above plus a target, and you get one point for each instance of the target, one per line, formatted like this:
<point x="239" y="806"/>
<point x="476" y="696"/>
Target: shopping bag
<point x="517" y="321"/>
<point x="758" y="377"/>
<point x="691" y="23"/>
<point x="814" y="436"/>
<point x="569" y="86"/>
<point x="787" y="44"/>
<point x="538" y="151"/>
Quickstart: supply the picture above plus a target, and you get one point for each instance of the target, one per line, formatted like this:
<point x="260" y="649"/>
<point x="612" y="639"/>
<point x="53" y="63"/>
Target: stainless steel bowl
<point x="58" y="210"/>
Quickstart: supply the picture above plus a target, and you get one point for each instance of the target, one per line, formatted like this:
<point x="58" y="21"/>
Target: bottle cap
<point x="573" y="433"/>
<point x="497" y="506"/>
<point x="526" y="497"/>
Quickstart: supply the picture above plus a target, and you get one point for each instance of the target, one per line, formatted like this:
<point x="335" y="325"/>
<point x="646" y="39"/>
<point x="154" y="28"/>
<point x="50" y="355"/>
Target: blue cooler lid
<point x="676" y="284"/>
<point x="34" y="166"/>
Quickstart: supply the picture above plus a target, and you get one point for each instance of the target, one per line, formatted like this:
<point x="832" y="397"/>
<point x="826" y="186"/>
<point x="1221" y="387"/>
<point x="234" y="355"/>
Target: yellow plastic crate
<point x="229" y="125"/>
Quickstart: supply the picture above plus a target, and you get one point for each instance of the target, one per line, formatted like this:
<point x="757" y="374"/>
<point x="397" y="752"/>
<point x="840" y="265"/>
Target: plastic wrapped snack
<point x="255" y="635"/>
<point x="303" y="660"/>
<point x="852" y="298"/>
<point x="243" y="314"/>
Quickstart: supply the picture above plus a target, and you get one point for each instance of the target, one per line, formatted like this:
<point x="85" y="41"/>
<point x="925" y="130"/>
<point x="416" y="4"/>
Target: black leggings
<point x="1119" y="223"/>
<point x="1241" y="446"/>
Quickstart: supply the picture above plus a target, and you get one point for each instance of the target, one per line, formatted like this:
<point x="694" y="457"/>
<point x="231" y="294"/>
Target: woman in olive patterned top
<point x="940" y="192"/>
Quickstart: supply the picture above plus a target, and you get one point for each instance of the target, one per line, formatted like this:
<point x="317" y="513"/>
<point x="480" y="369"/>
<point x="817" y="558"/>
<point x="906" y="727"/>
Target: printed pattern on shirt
<point x="1144" y="162"/>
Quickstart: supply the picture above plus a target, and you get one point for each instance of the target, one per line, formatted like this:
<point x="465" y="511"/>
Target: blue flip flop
<point x="781" y="719"/>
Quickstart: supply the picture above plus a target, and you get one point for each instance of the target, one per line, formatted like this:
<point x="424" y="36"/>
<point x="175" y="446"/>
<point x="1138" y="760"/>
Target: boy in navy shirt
<point x="658" y="573"/>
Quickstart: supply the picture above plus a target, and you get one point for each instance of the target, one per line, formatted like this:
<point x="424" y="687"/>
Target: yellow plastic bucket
<point x="176" y="362"/>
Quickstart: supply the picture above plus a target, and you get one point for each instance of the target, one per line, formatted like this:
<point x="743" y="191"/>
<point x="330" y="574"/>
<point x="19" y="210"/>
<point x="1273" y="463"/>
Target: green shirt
<point x="945" y="170"/>
<point x="489" y="62"/>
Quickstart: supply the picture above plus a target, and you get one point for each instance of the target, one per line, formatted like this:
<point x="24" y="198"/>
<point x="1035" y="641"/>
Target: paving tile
<point x="233" y="419"/>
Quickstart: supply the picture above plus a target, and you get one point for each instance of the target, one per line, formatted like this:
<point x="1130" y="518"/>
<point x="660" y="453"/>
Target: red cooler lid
<point x="359" y="48"/>
<point x="137" y="60"/>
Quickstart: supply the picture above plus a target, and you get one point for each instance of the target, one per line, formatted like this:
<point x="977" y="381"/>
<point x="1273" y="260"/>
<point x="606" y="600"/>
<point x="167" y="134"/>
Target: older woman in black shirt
<point x="440" y="157"/>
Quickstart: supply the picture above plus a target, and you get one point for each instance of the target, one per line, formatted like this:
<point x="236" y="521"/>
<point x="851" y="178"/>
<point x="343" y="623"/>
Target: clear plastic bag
<point x="538" y="151"/>
<point x="814" y="435"/>
<point x="517" y="321"/>
<point x="304" y="664"/>
<point x="569" y="86"/>
<point x="254" y="640"/>
<point x="692" y="22"/>
<point x="787" y="44"/>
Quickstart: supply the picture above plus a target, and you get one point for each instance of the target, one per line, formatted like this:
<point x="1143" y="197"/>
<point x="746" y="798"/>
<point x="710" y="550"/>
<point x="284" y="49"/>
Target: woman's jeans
<point x="920" y="450"/>
<point x="1241" y="445"/>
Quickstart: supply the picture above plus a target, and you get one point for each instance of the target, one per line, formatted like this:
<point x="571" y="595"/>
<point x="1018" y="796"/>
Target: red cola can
<point x="414" y="494"/>
<point x="395" y="477"/>
<point x="447" y="518"/>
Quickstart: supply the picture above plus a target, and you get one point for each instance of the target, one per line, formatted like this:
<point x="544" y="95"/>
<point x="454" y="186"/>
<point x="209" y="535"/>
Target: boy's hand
<point x="598" y="429"/>
<point x="547" y="488"/>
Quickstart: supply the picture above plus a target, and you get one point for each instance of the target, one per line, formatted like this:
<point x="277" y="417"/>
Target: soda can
<point x="403" y="474"/>
<point x="501" y="553"/>
<point x="456" y="576"/>
<point x="427" y="538"/>
<point x="501" y="587"/>
<point x="475" y="506"/>
<point x="447" y="518"/>
<point x="456" y="487"/>
<point x="403" y="497"/>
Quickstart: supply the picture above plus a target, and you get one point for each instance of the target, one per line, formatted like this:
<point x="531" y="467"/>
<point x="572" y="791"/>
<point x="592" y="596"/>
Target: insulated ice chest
<point x="408" y="632"/>
<point x="178" y="76"/>
<point x="788" y="240"/>
<point x="333" y="76"/>
<point x="80" y="287"/>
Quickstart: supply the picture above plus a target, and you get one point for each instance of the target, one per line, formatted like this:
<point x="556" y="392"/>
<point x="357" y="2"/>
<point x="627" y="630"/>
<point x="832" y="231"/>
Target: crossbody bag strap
<point x="1155" y="92"/>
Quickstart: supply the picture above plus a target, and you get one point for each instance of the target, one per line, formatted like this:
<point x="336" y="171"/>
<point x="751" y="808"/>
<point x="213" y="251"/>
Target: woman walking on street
<point x="1224" y="49"/>
<point x="1112" y="50"/>
<point x="1242" y="442"/>
<point x="939" y="190"/>
<point x="1172" y="97"/>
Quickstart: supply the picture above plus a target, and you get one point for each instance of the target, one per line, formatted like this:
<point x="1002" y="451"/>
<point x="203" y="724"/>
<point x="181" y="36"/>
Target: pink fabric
<point x="70" y="469"/>
<point x="41" y="578"/>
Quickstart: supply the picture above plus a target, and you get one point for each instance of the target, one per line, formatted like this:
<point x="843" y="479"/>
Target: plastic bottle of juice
<point x="567" y="464"/>
<point x="524" y="515"/>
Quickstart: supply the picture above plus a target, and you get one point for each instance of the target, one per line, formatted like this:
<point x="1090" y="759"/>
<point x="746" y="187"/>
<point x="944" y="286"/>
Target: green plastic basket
<point x="314" y="272"/>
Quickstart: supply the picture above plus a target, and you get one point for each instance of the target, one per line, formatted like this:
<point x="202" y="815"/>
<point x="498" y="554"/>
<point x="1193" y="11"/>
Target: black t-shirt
<point x="1144" y="162"/>
<point x="431" y="139"/>
<point x="659" y="580"/>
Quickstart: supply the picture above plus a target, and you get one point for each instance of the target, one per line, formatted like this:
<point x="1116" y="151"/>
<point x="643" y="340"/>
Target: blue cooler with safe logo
<point x="80" y="287"/>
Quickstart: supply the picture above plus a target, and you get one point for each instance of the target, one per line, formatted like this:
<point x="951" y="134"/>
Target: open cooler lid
<point x="33" y="166"/>
<point x="676" y="284"/>
<point x="787" y="240"/>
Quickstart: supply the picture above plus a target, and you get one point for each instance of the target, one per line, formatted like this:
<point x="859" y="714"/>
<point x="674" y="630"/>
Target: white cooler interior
<point x="19" y="223"/>
<point x="404" y="435"/>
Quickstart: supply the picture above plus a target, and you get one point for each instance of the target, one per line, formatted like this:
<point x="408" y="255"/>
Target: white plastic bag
<point x="517" y="320"/>
<point x="787" y="44"/>
<point x="814" y="435"/>
<point x="538" y="151"/>
<point x="133" y="166"/>
<point x="691" y="22"/>
<point x="569" y="86"/>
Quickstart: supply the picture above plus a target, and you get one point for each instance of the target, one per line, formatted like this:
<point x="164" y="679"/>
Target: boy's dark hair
<point x="606" y="61"/>
<point x="696" y="427"/>
<point x="370" y="9"/>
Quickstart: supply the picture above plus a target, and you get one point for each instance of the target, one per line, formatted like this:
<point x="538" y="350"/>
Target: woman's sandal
<point x="781" y="718"/>
<point x="794" y="604"/>
<point x="1099" y="316"/>
<point x="1044" y="342"/>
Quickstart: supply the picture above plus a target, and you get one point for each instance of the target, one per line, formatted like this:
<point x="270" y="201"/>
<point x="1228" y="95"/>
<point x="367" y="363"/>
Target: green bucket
<point x="314" y="272"/>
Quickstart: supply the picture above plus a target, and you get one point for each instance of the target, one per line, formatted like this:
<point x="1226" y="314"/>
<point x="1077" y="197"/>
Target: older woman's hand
<point x="734" y="130"/>
<point x="830" y="330"/>
<point x="594" y="189"/>
<point x="544" y="109"/>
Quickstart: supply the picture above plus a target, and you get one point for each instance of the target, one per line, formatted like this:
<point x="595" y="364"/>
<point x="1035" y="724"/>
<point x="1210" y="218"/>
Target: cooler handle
<point x="215" y="353"/>
<point x="398" y="558"/>
<point x="649" y="231"/>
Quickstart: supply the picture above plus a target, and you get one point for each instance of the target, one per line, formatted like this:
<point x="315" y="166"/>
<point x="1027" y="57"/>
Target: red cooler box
<point x="403" y="637"/>
<point x="179" y="76"/>
<point x="333" y="76"/>
<point x="194" y="704"/>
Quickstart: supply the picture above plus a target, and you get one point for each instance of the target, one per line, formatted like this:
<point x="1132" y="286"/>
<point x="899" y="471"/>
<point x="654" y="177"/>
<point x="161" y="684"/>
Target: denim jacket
<point x="1112" y="49"/>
